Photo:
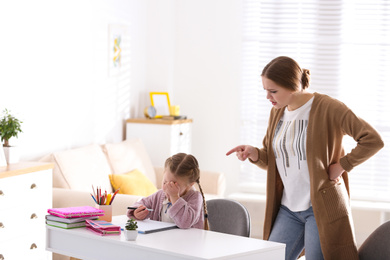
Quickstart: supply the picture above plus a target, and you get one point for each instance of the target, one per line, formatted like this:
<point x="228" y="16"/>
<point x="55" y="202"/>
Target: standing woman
<point x="308" y="204"/>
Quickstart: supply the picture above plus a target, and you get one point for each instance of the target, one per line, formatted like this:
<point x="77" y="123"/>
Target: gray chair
<point x="228" y="216"/>
<point x="377" y="245"/>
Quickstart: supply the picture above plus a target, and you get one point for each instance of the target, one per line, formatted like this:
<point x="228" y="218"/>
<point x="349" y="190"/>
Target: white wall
<point x="194" y="54"/>
<point x="54" y="71"/>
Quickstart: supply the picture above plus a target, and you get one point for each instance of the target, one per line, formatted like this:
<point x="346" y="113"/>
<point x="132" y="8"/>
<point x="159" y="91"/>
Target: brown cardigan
<point x="329" y="121"/>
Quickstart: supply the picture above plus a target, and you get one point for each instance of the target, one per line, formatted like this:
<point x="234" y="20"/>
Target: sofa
<point x="77" y="170"/>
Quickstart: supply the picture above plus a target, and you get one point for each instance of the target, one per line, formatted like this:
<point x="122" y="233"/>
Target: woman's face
<point x="277" y="95"/>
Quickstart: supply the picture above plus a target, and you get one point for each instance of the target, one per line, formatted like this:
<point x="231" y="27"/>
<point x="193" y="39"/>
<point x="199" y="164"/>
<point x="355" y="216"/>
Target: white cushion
<point x="129" y="155"/>
<point x="83" y="167"/>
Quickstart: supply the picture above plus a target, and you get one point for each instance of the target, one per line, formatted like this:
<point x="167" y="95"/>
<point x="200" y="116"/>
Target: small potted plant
<point x="131" y="230"/>
<point x="9" y="127"/>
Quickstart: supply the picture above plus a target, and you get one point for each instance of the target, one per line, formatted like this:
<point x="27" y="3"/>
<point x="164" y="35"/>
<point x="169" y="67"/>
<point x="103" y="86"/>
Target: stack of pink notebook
<point x="72" y="217"/>
<point x="102" y="227"/>
<point x="76" y="212"/>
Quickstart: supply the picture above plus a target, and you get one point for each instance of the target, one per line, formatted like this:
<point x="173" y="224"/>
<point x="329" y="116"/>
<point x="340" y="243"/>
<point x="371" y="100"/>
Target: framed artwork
<point x="160" y="100"/>
<point x="118" y="49"/>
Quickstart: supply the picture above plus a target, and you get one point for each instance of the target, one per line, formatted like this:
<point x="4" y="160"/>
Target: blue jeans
<point x="298" y="230"/>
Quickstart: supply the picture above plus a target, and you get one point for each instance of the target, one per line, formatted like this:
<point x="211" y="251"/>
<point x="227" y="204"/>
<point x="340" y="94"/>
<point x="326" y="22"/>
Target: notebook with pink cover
<point x="76" y="212"/>
<point x="102" y="227"/>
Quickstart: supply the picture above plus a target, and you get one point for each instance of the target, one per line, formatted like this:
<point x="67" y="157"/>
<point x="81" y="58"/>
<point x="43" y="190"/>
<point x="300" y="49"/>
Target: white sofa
<point x="76" y="170"/>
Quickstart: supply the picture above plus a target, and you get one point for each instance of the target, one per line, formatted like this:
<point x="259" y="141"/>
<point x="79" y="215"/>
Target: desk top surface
<point x="186" y="243"/>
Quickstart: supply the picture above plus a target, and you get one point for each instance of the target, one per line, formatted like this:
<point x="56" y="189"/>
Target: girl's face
<point x="277" y="95"/>
<point x="182" y="182"/>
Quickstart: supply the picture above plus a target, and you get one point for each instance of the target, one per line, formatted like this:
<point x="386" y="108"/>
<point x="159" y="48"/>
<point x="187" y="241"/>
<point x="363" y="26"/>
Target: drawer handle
<point x="33" y="246"/>
<point x="1" y="257"/>
<point x="1" y="194"/>
<point x="1" y="225"/>
<point x="33" y="186"/>
<point x="181" y="133"/>
<point x="33" y="216"/>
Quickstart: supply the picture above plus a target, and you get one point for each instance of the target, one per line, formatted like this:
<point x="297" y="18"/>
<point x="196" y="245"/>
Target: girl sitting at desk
<point x="178" y="202"/>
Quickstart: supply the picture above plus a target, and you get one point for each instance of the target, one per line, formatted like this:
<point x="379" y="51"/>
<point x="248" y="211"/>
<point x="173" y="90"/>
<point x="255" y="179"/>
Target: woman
<point x="307" y="170"/>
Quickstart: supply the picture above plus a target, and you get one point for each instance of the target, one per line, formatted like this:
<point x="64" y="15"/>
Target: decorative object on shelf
<point x="9" y="127"/>
<point x="130" y="231"/>
<point x="150" y="112"/>
<point x="174" y="110"/>
<point x="160" y="100"/>
<point x="174" y="117"/>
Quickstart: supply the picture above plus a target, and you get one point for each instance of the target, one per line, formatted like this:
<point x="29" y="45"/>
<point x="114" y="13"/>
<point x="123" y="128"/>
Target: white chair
<point x="228" y="216"/>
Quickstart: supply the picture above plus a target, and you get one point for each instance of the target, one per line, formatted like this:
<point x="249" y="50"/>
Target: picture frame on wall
<point x="160" y="100"/>
<point x="118" y="49"/>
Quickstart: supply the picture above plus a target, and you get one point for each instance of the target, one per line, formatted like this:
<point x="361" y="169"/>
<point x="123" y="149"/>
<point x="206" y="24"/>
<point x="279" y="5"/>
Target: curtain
<point x="346" y="47"/>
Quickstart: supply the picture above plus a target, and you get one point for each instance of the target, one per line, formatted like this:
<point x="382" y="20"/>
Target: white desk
<point x="169" y="244"/>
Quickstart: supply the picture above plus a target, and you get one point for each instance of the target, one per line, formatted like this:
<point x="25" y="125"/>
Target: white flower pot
<point x="130" y="235"/>
<point x="12" y="154"/>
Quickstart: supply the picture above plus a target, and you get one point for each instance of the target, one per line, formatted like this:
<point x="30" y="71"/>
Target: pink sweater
<point x="187" y="212"/>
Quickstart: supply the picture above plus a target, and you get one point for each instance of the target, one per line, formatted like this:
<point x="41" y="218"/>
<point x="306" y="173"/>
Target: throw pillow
<point x="133" y="183"/>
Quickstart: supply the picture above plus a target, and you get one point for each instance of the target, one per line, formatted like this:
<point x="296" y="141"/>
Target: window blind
<point x="346" y="46"/>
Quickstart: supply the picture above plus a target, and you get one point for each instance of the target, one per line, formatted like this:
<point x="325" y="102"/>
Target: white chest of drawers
<point x="162" y="138"/>
<point x="25" y="196"/>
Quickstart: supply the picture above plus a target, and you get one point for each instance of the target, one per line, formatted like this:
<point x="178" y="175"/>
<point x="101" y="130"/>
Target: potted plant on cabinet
<point x="131" y="230"/>
<point x="9" y="127"/>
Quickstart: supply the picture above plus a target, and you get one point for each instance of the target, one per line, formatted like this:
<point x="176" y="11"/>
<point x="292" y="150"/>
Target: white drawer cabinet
<point x="162" y="138"/>
<point x="25" y="196"/>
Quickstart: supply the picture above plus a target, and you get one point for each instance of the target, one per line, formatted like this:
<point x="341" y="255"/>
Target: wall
<point x="194" y="54"/>
<point x="55" y="76"/>
<point x="54" y="71"/>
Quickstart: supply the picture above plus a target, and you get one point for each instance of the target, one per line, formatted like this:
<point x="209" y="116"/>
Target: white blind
<point x="346" y="46"/>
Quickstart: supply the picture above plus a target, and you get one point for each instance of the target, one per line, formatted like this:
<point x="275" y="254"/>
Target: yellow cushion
<point x="133" y="183"/>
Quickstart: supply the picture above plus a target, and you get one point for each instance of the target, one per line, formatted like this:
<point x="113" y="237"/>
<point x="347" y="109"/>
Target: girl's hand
<point x="244" y="152"/>
<point x="141" y="212"/>
<point x="335" y="171"/>
<point x="172" y="190"/>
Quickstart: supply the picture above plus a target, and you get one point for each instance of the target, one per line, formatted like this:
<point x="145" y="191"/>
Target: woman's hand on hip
<point x="244" y="152"/>
<point x="335" y="171"/>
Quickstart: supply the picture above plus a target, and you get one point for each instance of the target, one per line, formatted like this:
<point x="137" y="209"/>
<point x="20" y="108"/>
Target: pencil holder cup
<point x="107" y="212"/>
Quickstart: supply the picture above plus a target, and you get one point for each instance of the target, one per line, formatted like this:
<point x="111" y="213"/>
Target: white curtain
<point x="346" y="46"/>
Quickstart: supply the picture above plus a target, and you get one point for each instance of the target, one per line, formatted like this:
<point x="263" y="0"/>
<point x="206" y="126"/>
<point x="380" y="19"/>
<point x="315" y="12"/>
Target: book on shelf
<point x="65" y="225"/>
<point x="69" y="220"/>
<point x="102" y="227"/>
<point x="76" y="212"/>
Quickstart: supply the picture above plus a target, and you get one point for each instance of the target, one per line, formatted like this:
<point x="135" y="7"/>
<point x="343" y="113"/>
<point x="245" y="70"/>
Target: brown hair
<point x="186" y="165"/>
<point x="287" y="73"/>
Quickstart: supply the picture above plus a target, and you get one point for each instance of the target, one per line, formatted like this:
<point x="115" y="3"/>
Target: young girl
<point x="307" y="169"/>
<point x="178" y="201"/>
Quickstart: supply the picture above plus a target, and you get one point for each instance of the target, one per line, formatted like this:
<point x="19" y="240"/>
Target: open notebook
<point x="149" y="226"/>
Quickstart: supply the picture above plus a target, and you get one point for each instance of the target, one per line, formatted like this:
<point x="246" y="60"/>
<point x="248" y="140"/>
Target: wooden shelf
<point x="158" y="121"/>
<point x="23" y="168"/>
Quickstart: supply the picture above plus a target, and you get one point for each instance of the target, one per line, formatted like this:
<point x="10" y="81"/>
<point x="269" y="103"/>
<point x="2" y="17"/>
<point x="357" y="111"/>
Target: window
<point x="346" y="46"/>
